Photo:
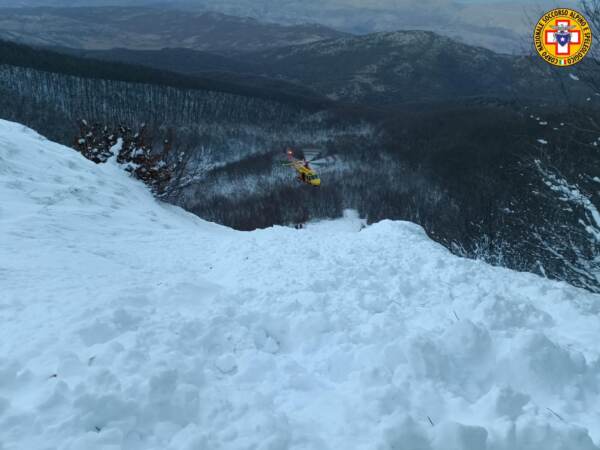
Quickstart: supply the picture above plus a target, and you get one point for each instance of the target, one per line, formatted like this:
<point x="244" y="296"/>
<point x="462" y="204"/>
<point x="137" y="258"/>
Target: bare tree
<point x="166" y="170"/>
<point x="185" y="168"/>
<point x="568" y="231"/>
<point x="565" y="179"/>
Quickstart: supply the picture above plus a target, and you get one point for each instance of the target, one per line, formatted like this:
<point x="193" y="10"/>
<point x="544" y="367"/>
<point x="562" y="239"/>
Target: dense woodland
<point x="492" y="179"/>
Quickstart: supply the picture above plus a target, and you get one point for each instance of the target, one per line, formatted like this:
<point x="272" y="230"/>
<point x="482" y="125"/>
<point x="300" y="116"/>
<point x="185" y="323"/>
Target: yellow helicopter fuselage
<point x="306" y="174"/>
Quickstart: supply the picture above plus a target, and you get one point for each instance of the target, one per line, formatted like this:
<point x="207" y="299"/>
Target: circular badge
<point x="562" y="37"/>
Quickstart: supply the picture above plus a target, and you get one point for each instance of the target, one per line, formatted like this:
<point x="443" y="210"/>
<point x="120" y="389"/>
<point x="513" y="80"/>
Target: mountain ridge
<point x="150" y="28"/>
<point x="385" y="69"/>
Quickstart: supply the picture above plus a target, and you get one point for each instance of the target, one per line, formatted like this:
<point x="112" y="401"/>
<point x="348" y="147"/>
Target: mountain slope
<point x="390" y="68"/>
<point x="462" y="169"/>
<point x="216" y="120"/>
<point x="150" y="28"/>
<point x="131" y="324"/>
<point x="503" y="26"/>
<point x="180" y="60"/>
<point x="13" y="54"/>
<point x="381" y="69"/>
<point x="222" y="70"/>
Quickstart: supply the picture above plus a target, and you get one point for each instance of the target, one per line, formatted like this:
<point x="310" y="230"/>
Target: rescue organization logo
<point x="562" y="37"/>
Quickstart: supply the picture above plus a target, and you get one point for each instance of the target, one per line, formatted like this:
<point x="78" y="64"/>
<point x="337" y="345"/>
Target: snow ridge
<point x="131" y="324"/>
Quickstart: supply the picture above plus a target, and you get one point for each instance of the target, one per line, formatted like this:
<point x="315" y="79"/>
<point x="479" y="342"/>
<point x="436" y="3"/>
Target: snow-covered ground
<point x="128" y="324"/>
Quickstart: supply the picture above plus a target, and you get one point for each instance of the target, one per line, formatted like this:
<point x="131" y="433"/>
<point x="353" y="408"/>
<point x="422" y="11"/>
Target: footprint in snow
<point x="226" y="363"/>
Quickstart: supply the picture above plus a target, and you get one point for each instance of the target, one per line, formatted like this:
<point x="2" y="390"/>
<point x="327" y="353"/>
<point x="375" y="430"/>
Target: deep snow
<point x="130" y="324"/>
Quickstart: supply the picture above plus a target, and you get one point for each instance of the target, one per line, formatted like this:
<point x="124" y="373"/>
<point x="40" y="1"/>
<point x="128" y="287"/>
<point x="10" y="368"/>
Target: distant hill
<point x="391" y="68"/>
<point x="150" y="28"/>
<point x="221" y="119"/>
<point x="70" y="64"/>
<point x="501" y="25"/>
<point x="182" y="60"/>
<point x="381" y="70"/>
<point x="220" y="70"/>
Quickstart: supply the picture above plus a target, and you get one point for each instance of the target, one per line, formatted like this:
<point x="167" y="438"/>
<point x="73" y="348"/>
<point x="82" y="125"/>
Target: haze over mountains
<point x="502" y="26"/>
<point x="150" y="28"/>
<point x="379" y="69"/>
<point x="392" y="68"/>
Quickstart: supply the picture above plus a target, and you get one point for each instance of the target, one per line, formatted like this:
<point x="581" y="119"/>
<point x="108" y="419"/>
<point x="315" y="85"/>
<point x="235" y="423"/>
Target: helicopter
<point x="307" y="174"/>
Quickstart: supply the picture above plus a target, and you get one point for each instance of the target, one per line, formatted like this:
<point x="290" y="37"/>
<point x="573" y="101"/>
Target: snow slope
<point x="127" y="324"/>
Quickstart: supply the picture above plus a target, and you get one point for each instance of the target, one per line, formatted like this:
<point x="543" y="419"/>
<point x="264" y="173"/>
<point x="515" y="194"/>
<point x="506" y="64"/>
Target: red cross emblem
<point x="573" y="37"/>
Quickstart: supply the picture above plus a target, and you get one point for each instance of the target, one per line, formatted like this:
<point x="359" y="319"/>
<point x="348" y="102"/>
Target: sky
<point x="249" y="4"/>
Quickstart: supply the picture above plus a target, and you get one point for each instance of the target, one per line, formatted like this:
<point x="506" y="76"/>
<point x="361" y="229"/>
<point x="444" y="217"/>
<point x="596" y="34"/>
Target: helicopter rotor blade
<point x="311" y="154"/>
<point x="325" y="161"/>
